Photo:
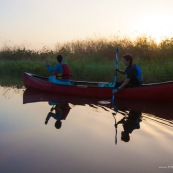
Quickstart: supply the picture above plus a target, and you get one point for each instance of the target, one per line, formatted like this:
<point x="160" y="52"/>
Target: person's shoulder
<point x="64" y="63"/>
<point x="58" y="65"/>
<point x="130" y="67"/>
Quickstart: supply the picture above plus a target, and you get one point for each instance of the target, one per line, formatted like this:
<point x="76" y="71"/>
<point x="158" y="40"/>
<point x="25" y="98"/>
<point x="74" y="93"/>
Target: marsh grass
<point x="94" y="60"/>
<point x="14" y="81"/>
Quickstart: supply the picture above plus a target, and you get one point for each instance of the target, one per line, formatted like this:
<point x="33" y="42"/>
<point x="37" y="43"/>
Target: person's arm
<point x="121" y="71"/>
<point x="124" y="84"/>
<point x="121" y="121"/>
<point x="52" y="69"/>
<point x="48" y="117"/>
<point x="121" y="86"/>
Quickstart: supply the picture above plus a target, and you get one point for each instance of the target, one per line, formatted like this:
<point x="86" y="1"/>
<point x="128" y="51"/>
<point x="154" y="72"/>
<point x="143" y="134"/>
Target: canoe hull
<point x="76" y="90"/>
<point x="162" y="92"/>
<point x="159" y="91"/>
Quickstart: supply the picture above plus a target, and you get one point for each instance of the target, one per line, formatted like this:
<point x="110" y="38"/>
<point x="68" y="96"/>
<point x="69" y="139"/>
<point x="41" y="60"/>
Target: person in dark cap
<point x="133" y="74"/>
<point x="130" y="123"/>
<point x="61" y="71"/>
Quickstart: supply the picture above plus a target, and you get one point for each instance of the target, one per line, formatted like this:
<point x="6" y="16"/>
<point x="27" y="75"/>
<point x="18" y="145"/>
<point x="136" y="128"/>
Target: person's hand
<point x="115" y="90"/>
<point x="117" y="70"/>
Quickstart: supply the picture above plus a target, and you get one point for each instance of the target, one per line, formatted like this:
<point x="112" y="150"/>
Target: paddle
<point x="105" y="102"/>
<point x="116" y="123"/>
<point x="114" y="114"/>
<point x="116" y="60"/>
<point x="116" y="68"/>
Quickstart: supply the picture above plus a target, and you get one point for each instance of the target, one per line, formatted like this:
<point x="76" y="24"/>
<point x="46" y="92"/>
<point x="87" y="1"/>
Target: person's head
<point x="127" y="59"/>
<point x="58" y="124"/>
<point x="125" y="137"/>
<point x="59" y="58"/>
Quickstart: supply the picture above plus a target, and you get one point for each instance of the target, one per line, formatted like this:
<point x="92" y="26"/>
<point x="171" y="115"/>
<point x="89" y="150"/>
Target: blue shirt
<point x="57" y="68"/>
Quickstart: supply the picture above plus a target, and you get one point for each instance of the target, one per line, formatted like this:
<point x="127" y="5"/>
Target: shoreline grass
<point x="93" y="60"/>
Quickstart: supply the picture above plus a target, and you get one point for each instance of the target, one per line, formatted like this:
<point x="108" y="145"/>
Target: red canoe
<point x="156" y="91"/>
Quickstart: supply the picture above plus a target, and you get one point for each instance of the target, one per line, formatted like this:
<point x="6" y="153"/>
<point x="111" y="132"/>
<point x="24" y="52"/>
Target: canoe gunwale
<point x="80" y="83"/>
<point x="74" y="82"/>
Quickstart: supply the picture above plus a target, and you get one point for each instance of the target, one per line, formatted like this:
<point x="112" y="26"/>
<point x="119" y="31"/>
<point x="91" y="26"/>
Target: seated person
<point x="61" y="72"/>
<point x="133" y="74"/>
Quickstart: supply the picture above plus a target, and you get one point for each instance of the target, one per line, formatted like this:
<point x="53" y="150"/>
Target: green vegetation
<point x="92" y="60"/>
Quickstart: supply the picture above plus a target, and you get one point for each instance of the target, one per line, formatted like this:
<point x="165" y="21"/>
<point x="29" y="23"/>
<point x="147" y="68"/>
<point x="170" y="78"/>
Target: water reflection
<point x="12" y="81"/>
<point x="59" y="112"/>
<point x="86" y="140"/>
<point x="132" y="112"/>
<point x="130" y="122"/>
<point x="156" y="109"/>
<point x="30" y="96"/>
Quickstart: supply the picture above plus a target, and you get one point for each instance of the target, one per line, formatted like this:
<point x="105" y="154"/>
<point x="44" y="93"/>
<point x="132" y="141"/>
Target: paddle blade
<point x="105" y="102"/>
<point x="112" y="101"/>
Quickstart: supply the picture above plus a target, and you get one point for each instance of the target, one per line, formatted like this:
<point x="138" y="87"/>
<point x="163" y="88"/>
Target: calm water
<point x="86" y="140"/>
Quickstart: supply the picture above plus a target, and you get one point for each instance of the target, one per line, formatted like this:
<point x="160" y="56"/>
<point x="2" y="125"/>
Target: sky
<point x="38" y="23"/>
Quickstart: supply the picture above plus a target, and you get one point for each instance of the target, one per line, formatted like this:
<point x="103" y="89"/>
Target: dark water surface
<point x="87" y="141"/>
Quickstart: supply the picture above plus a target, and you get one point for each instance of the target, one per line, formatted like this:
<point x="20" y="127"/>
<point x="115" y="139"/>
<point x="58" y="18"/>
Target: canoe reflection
<point x="133" y="112"/>
<point x="58" y="111"/>
<point x="157" y="109"/>
<point x="30" y="96"/>
<point x="59" y="104"/>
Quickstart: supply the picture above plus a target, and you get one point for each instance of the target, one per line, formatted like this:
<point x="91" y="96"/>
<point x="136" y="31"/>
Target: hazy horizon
<point x="35" y="24"/>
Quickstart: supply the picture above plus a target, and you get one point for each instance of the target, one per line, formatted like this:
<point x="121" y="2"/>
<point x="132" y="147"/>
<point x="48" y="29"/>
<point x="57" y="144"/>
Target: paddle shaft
<point x="115" y="130"/>
<point x="116" y="60"/>
<point x="116" y="68"/>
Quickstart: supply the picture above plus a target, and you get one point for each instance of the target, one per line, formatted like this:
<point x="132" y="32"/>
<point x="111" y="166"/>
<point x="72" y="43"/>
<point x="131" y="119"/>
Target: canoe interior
<point x="73" y="82"/>
<point x="95" y="84"/>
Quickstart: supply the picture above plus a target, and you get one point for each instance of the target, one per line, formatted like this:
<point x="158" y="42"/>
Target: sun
<point x="154" y="26"/>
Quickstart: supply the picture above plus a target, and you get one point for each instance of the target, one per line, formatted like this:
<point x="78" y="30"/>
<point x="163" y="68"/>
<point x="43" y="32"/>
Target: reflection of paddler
<point x="61" y="112"/>
<point x="130" y="123"/>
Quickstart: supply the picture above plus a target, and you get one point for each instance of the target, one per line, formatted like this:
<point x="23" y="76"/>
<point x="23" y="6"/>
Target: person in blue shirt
<point x="61" y="71"/>
<point x="133" y="74"/>
<point x="61" y="112"/>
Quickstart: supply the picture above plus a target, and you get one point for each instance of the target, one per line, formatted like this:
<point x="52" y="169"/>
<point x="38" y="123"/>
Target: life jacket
<point x="65" y="74"/>
<point x="139" y="73"/>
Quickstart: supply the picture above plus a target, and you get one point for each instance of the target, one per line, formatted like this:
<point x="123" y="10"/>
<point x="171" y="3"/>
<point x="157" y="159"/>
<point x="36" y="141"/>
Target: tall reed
<point x="94" y="59"/>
